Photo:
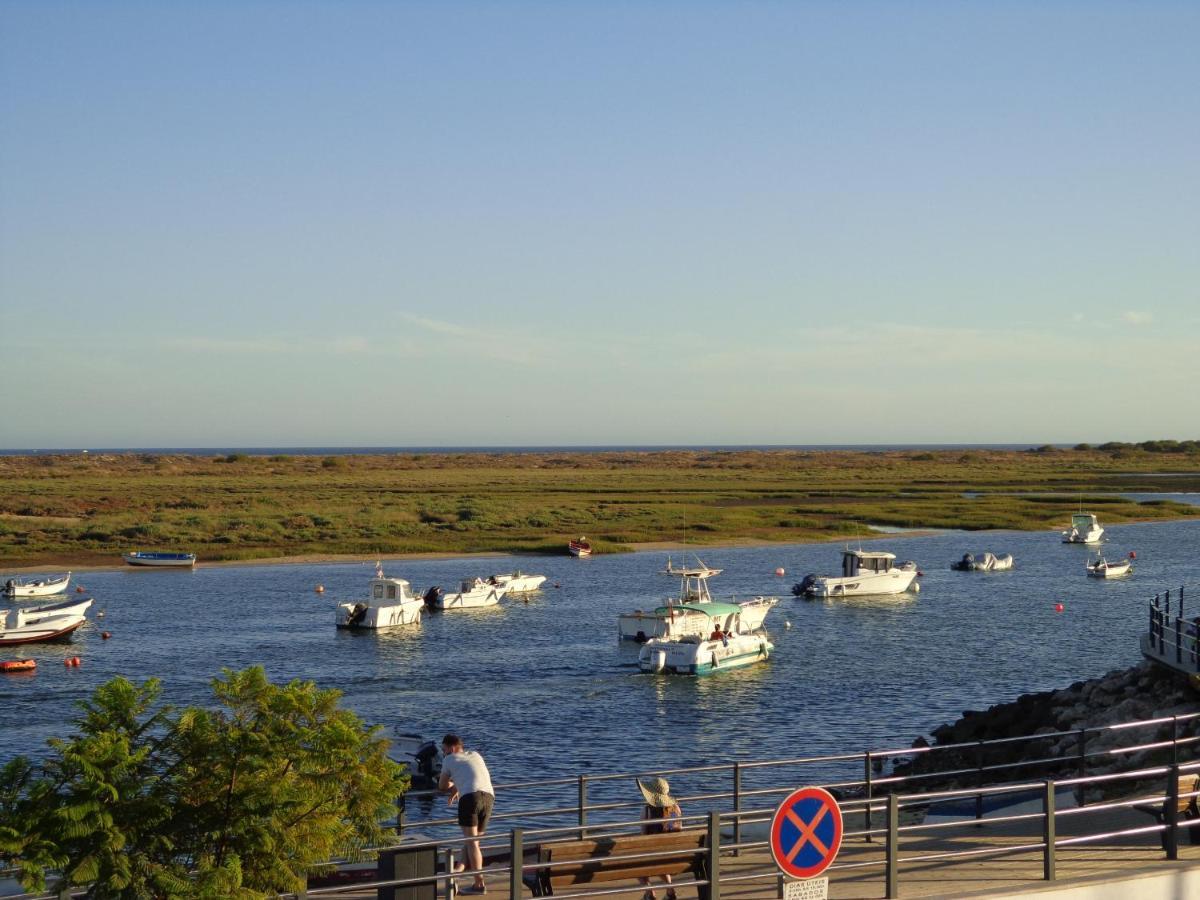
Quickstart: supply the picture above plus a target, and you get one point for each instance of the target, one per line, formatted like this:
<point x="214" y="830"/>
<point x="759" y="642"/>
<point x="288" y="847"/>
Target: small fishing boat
<point x="30" y="624"/>
<point x="177" y="560"/>
<point x="1084" y="530"/>
<point x="664" y="622"/>
<point x="38" y="587"/>
<point x="983" y="562"/>
<point x="390" y="602"/>
<point x="517" y="582"/>
<point x="864" y="573"/>
<point x="1102" y="568"/>
<point x="473" y="593"/>
<point x="580" y="548"/>
<point x="725" y="647"/>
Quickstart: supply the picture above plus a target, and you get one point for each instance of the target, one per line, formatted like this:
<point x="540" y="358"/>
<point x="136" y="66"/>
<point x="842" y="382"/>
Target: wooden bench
<point x="591" y="861"/>
<point x="1186" y="808"/>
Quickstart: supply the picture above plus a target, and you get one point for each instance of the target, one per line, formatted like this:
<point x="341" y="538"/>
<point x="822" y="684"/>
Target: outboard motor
<point x="356" y="615"/>
<point x="428" y="762"/>
<point x="653" y="659"/>
<point x="431" y="596"/>
<point x="805" y="586"/>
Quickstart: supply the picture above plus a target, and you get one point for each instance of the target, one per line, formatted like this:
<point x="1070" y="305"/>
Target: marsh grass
<point x="89" y="509"/>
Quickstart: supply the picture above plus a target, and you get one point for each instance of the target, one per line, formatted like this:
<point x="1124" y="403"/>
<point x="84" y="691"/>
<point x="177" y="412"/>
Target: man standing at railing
<point x="466" y="779"/>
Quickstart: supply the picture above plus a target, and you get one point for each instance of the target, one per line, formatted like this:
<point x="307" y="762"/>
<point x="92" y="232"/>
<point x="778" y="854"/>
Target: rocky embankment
<point x="1054" y="718"/>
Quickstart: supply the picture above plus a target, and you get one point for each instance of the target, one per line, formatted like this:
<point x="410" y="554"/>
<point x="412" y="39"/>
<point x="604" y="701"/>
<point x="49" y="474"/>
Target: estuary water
<point x="543" y="688"/>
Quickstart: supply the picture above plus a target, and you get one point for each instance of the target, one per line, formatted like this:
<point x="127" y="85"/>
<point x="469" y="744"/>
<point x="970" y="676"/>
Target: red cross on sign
<point x="806" y="832"/>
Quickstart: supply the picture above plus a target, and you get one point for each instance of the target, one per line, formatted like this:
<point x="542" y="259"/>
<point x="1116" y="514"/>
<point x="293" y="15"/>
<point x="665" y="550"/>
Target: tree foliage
<point x="243" y="800"/>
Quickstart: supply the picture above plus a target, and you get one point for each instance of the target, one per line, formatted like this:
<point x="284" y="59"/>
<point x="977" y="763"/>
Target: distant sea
<point x="598" y="448"/>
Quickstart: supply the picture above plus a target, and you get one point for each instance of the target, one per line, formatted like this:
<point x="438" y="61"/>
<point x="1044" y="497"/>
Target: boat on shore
<point x="983" y="562"/>
<point x="580" y="548"/>
<point x="174" y="560"/>
<point x="864" y="573"/>
<point x="726" y="645"/>
<point x="37" y="587"/>
<point x="664" y="621"/>
<point x="32" y="624"/>
<point x="1103" y="568"/>
<point x="517" y="582"/>
<point x="472" y="594"/>
<point x="1085" y="529"/>
<point x="389" y="603"/>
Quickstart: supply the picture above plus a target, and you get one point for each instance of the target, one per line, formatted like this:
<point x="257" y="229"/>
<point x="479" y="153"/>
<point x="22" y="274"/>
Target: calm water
<point x="543" y="688"/>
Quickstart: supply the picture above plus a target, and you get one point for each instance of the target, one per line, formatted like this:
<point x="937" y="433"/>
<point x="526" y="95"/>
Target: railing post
<point x="400" y="803"/>
<point x="979" y="781"/>
<point x="1082" y="754"/>
<point x="1172" y="818"/>
<point x="1175" y="740"/>
<point x="451" y="888"/>
<point x="867" y="780"/>
<point x="737" y="808"/>
<point x="582" y="807"/>
<point x="714" y="855"/>
<point x="516" y="862"/>
<point x="893" y="848"/>
<point x="1048" y="833"/>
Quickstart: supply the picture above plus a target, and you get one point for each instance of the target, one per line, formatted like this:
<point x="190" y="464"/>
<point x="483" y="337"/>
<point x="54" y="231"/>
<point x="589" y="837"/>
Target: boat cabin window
<point x="391" y="592"/>
<point x="379" y="592"/>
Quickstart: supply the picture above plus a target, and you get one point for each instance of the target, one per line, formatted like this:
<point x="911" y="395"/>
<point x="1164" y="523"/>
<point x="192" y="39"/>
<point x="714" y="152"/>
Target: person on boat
<point x="466" y="779"/>
<point x="660" y="815"/>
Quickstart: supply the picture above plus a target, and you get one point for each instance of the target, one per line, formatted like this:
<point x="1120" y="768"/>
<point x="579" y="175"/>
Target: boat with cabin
<point x="1103" y="568"/>
<point x="473" y="593"/>
<point x="518" y="582"/>
<point x="580" y="548"/>
<point x="37" y="587"/>
<point x="390" y="602"/>
<point x="32" y="624"/>
<point x="864" y="573"/>
<point x="713" y="639"/>
<point x="1085" y="529"/>
<point x="171" y="560"/>
<point x="665" y="622"/>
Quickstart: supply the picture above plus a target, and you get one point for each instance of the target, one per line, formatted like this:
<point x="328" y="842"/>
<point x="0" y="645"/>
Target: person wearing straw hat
<point x="660" y="815"/>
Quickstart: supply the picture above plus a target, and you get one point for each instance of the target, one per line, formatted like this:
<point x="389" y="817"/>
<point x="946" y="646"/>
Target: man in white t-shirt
<point x="466" y="779"/>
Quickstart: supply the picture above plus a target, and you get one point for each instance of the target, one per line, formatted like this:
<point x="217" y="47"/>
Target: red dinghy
<point x="580" y="547"/>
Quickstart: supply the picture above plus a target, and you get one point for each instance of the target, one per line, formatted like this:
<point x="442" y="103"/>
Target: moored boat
<point x="177" y="560"/>
<point x="31" y="624"/>
<point x="18" y="665"/>
<point x="517" y="582"/>
<point x="663" y="621"/>
<point x="580" y="548"/>
<point x="1103" y="568"/>
<point x="983" y="562"/>
<point x="726" y="646"/>
<point x="864" y="573"/>
<point x="1085" y="529"/>
<point x="473" y="593"/>
<point x="389" y="603"/>
<point x="36" y="587"/>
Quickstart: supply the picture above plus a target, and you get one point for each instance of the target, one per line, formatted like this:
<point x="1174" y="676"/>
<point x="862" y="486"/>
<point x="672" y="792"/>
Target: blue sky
<point x="369" y="223"/>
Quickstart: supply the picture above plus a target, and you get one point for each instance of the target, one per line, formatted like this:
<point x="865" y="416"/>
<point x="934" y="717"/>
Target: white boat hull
<point x="358" y="615"/>
<point x="1110" y="570"/>
<point x="28" y="625"/>
<point x="643" y="626"/>
<point x="518" y="583"/>
<point x="699" y="657"/>
<point x="865" y="584"/>
<point x="173" y="561"/>
<point x="486" y="595"/>
<point x="44" y="587"/>
<point x="1090" y="536"/>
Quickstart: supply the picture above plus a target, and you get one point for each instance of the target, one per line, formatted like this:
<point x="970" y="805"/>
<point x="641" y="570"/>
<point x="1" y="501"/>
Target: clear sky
<point x="389" y="223"/>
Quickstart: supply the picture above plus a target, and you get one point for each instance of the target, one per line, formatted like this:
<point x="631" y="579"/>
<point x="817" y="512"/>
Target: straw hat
<point x="657" y="793"/>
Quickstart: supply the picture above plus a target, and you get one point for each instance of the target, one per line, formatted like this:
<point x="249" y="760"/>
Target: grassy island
<point x="85" y="509"/>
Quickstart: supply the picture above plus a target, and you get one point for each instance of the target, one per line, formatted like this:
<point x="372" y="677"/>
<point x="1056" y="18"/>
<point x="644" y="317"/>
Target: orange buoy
<point x="1058" y="607"/>
<point x="67" y="662"/>
<point x="320" y="588"/>
<point x="106" y="634"/>
<point x="18" y="665"/>
<point x="780" y="571"/>
<point x="1132" y="554"/>
<point x="79" y="588"/>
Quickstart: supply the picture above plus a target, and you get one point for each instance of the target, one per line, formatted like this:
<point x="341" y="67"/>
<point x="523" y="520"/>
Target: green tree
<point x="239" y="801"/>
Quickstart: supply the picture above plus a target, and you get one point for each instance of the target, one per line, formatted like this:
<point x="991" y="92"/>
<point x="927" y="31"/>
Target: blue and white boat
<point x="727" y="644"/>
<point x="178" y="560"/>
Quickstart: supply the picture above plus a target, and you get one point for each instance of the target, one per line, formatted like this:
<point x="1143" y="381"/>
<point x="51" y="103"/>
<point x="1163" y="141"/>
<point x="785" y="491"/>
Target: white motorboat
<point x="173" y="560"/>
<point x="30" y="624"/>
<point x="517" y="582"/>
<point x="1102" y="568"/>
<point x="726" y="645"/>
<point x="473" y="593"/>
<point x="664" y="622"/>
<point x="1084" y="530"/>
<point x="983" y="562"/>
<point x="580" y="548"/>
<point x="864" y="573"/>
<point x="390" y="602"/>
<point x="37" y="587"/>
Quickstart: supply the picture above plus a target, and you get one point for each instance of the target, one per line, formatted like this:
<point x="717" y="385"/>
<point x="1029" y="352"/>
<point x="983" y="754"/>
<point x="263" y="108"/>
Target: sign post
<point x="806" y="834"/>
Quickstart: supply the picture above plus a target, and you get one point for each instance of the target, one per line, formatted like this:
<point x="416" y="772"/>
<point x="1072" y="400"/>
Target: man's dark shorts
<point x="475" y="808"/>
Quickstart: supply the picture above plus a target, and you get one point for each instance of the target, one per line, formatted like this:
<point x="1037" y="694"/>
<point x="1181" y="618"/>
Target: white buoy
<point x="780" y="571"/>
<point x="787" y="624"/>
